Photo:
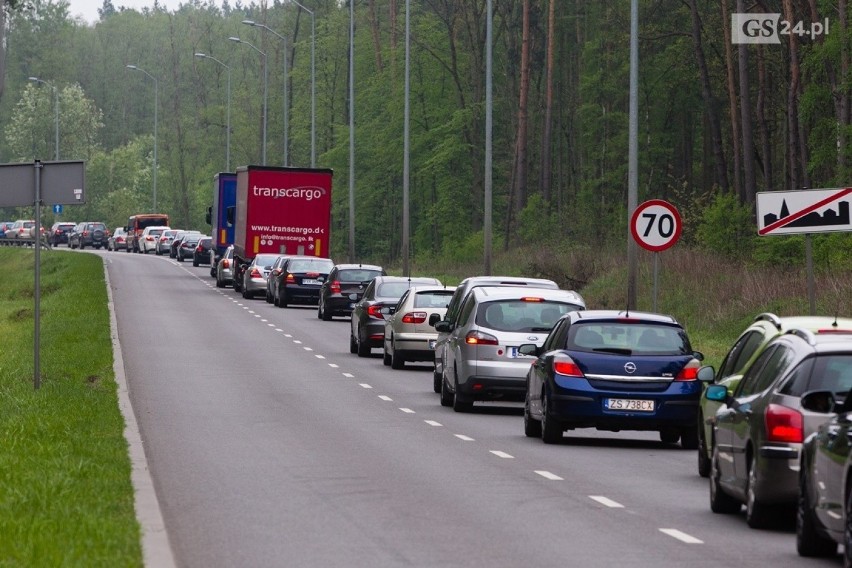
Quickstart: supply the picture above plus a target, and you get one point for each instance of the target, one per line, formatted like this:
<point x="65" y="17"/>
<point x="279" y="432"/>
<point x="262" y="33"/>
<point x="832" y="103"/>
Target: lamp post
<point x="351" y="131"/>
<point x="254" y="24"/>
<point x="56" y="113"/>
<point x="265" y="89"/>
<point x="313" y="85"/>
<point x="228" y="131"/>
<point x="156" y="106"/>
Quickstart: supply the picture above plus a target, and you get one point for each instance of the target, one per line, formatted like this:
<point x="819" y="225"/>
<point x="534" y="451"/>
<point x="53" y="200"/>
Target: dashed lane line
<point x="548" y="475"/>
<point x="503" y="455"/>
<point x="682" y="536"/>
<point x="606" y="502"/>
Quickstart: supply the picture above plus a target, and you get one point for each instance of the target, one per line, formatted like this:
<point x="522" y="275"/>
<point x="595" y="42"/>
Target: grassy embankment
<point x="65" y="491"/>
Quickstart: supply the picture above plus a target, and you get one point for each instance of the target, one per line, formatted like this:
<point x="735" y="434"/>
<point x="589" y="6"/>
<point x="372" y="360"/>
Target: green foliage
<point x="727" y="227"/>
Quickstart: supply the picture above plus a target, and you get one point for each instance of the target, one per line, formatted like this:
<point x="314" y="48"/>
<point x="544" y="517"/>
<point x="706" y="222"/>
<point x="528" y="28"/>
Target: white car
<point x="149" y="238"/>
<point x="409" y="333"/>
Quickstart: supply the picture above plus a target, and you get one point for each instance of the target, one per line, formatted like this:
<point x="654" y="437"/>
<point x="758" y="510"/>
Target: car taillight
<point x="312" y="274"/>
<point x="530" y="299"/>
<point x="783" y="424"/>
<point x="85" y="233"/>
<point x="120" y="239"/>
<point x="375" y="311"/>
<point x="226" y="263"/>
<point x="566" y="366"/>
<point x="479" y="338"/>
<point x="414" y="317"/>
<point x="255" y="273"/>
<point x="291" y="279"/>
<point x="335" y="287"/>
<point x="689" y="371"/>
<point x="199" y="248"/>
<point x="149" y="238"/>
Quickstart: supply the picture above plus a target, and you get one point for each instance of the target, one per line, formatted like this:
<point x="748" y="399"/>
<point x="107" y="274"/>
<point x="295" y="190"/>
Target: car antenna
<point x="834" y="325"/>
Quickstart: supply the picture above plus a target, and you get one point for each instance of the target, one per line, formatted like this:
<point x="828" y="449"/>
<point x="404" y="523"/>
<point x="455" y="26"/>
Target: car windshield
<point x="642" y="338"/>
<point x="832" y="372"/>
<point x="432" y="299"/>
<point x="522" y="314"/>
<point x="357" y="275"/>
<point x="310" y="265"/>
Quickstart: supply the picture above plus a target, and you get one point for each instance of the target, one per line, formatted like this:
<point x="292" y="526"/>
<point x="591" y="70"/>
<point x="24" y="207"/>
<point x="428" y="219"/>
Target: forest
<point x="718" y="121"/>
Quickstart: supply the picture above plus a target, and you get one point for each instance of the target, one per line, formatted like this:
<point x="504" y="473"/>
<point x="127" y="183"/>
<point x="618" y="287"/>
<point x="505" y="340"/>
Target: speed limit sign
<point x="655" y="225"/>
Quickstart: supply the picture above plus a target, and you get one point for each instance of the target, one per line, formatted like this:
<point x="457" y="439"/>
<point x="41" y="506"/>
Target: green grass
<point x="65" y="491"/>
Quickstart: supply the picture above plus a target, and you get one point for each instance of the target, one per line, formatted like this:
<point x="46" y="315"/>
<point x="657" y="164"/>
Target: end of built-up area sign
<point x="59" y="183"/>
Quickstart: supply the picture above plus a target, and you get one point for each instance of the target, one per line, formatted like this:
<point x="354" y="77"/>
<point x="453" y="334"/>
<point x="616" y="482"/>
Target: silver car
<point x="225" y="268"/>
<point x="255" y="275"/>
<point x="410" y="333"/>
<point x="482" y="361"/>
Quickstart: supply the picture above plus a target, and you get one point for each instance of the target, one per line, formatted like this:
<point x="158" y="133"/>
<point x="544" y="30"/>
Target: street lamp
<point x="56" y="112"/>
<point x="265" y="88"/>
<point x="228" y="134"/>
<point x="156" y="106"/>
<point x="313" y="86"/>
<point x="351" y="131"/>
<point x="254" y="24"/>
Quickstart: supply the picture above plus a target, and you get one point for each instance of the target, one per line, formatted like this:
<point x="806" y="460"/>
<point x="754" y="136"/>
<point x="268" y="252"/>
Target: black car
<point x="367" y="322"/>
<point x="88" y="234"/>
<point x="59" y="233"/>
<point x="186" y="248"/>
<point x="201" y="254"/>
<point x="300" y="280"/>
<point x="173" y="247"/>
<point x="343" y="281"/>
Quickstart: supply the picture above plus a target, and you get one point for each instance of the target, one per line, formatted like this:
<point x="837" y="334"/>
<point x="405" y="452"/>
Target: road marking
<point x="548" y="475"/>
<point x="307" y="348"/>
<point x="407" y="410"/>
<point x="500" y="454"/>
<point x="465" y="438"/>
<point x="349" y="375"/>
<point x="605" y="501"/>
<point x="269" y="324"/>
<point x="334" y="365"/>
<point x="681" y="536"/>
<point x="251" y="312"/>
<point x="264" y="320"/>
<point x="297" y="341"/>
<point x="365" y="385"/>
<point x="279" y="329"/>
<point x="246" y="308"/>
<point x="432" y="423"/>
<point x="257" y="316"/>
<point x="287" y="335"/>
<point x="320" y="356"/>
<point x="385" y="397"/>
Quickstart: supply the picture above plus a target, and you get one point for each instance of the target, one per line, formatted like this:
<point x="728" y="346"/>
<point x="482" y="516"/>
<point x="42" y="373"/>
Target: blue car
<point x="614" y="370"/>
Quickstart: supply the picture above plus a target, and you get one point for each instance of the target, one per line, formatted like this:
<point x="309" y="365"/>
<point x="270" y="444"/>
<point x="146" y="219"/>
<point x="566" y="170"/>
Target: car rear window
<point x="433" y="299"/>
<point x="521" y="315"/>
<point x="357" y="275"/>
<point x="155" y="232"/>
<point x="629" y="339"/>
<point x="310" y="265"/>
<point x="97" y="227"/>
<point x="265" y="260"/>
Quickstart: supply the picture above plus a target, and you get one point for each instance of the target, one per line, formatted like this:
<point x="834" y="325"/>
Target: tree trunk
<point x="749" y="190"/>
<point x="732" y="100"/>
<point x="547" y="134"/>
<point x="762" y="122"/>
<point x="377" y="36"/>
<point x="720" y="167"/>
<point x="793" y="153"/>
<point x="843" y="95"/>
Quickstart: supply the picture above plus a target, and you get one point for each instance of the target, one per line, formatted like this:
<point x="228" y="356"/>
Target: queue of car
<point x="772" y="428"/>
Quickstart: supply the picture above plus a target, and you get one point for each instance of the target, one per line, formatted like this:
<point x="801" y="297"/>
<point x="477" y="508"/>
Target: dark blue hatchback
<point x="614" y="371"/>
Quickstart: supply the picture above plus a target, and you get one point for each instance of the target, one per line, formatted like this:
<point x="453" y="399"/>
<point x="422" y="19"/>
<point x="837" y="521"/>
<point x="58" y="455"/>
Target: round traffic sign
<point x="655" y="225"/>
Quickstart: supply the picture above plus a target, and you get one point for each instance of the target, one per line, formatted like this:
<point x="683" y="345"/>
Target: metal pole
<point x="56" y="121"/>
<point x="632" y="154"/>
<point x="486" y="227"/>
<point x="37" y="295"/>
<point x="352" y="131"/>
<point x="656" y="277"/>
<point x="406" y="148"/>
<point x="809" y="261"/>
<point x="313" y="85"/>
<point x="286" y="108"/>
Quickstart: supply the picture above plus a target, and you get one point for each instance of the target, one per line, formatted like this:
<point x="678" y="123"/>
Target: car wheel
<point x="447" y="398"/>
<point x="353" y="345"/>
<point x="689" y="438"/>
<point x="268" y="297"/>
<point x="847" y="531"/>
<point x="703" y="460"/>
<point x="319" y="311"/>
<point x="397" y="358"/>
<point x="669" y="436"/>
<point x="386" y="358"/>
<point x="720" y="502"/>
<point x="194" y="262"/>
<point x="460" y="405"/>
<point x="551" y="429"/>
<point x="436" y="379"/>
<point x="809" y="541"/>
<point x="282" y="299"/>
<point x="326" y="315"/>
<point x="219" y="283"/>
<point x="532" y="427"/>
<point x="179" y="258"/>
<point x="82" y="246"/>
<point x="246" y="294"/>
<point x="758" y="515"/>
<point x="363" y="348"/>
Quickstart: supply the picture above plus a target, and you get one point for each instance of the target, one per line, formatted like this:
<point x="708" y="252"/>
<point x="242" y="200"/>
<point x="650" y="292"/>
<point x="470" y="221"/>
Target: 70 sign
<point x="655" y="225"/>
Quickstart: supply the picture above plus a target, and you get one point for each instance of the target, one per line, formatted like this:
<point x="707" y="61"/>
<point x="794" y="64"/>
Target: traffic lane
<point x="344" y="468"/>
<point x="667" y="491"/>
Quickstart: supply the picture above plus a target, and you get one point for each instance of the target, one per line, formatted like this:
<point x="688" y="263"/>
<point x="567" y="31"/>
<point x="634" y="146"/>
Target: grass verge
<point x="65" y="491"/>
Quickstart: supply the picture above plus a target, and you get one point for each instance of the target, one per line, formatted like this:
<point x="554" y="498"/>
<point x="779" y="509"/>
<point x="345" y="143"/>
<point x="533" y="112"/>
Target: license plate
<point x="309" y="281"/>
<point x="633" y="404"/>
<point x="512" y="353"/>
<point x="432" y="343"/>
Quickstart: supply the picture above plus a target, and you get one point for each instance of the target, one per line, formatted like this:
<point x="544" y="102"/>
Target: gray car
<point x="758" y="432"/>
<point x="255" y="275"/>
<point x="481" y="357"/>
<point x="225" y="268"/>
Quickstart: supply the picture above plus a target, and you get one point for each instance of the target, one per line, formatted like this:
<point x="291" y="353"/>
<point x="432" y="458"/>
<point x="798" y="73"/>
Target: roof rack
<point x="808" y="336"/>
<point x="770" y="317"/>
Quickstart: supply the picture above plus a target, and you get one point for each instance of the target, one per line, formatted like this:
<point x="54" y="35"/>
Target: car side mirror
<point x="442" y="326"/>
<point x="433" y="319"/>
<point x="529" y="349"/>
<point x="717" y="393"/>
<point x="820" y="401"/>
<point x="698" y="355"/>
<point x="706" y="374"/>
<point x="353" y="297"/>
<point x="387" y="311"/>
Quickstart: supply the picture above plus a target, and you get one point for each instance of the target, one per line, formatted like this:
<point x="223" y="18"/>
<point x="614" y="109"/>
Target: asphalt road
<point x="271" y="445"/>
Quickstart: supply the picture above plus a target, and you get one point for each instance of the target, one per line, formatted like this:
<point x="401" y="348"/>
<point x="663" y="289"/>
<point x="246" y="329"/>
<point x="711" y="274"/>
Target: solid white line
<point x="500" y="454"/>
<point x="333" y="365"/>
<point x="465" y="438"/>
<point x="681" y="536"/>
<point x="365" y="385"/>
<point x="385" y="397"/>
<point x="407" y="410"/>
<point x="548" y="475"/>
<point x="349" y="375"/>
<point x="606" y="501"/>
<point x="432" y="423"/>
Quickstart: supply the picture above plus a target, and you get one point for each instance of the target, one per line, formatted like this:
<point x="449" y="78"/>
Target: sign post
<point x="656" y="226"/>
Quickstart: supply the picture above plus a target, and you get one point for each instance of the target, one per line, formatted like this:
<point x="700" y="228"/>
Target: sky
<point x="88" y="9"/>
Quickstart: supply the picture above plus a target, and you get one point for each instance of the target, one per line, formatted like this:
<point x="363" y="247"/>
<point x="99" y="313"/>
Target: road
<point x="271" y="445"/>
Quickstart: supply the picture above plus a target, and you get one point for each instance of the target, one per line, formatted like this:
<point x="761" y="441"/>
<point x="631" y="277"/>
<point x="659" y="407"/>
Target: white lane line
<point x="465" y="438"/>
<point x="681" y="536"/>
<point x="432" y="423"/>
<point x="606" y="502"/>
<point x="307" y="348"/>
<point x="251" y="311"/>
<point x="407" y="410"/>
<point x="349" y="375"/>
<point x="287" y="335"/>
<point x="334" y="365"/>
<point x="500" y="454"/>
<point x="385" y="397"/>
<point x="548" y="475"/>
<point x="257" y="316"/>
<point x="270" y="324"/>
<point x="365" y="385"/>
<point x="246" y="308"/>
<point x="279" y="329"/>
<point x="320" y="356"/>
<point x="264" y="320"/>
<point x="297" y="341"/>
